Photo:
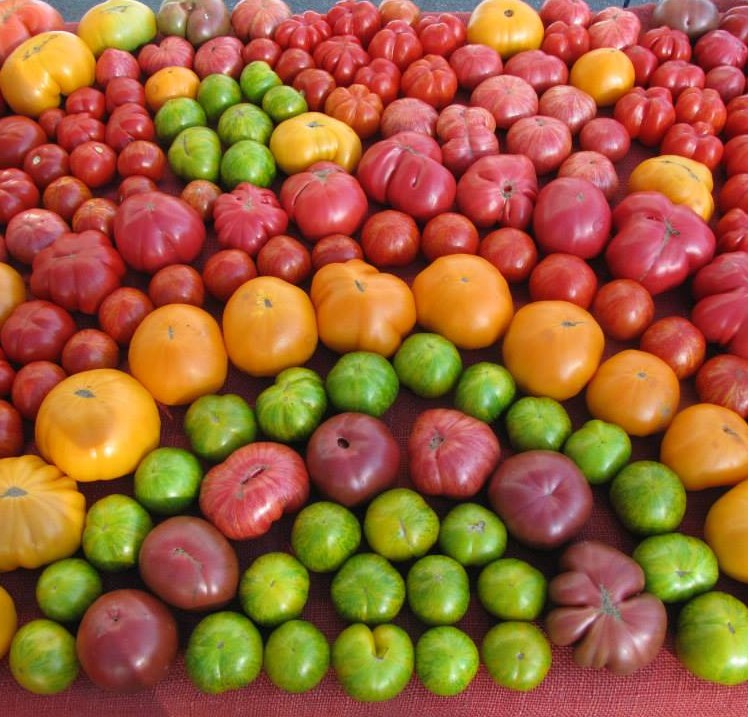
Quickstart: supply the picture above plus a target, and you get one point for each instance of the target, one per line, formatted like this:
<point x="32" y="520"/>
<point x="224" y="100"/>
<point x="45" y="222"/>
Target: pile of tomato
<point x="382" y="288"/>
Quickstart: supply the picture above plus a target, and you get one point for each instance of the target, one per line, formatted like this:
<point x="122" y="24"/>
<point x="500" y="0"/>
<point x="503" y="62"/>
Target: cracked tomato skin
<point x="601" y="608"/>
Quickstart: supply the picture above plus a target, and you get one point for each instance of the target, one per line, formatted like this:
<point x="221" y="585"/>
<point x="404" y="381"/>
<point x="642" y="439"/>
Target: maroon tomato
<point x="354" y="17"/>
<point x="408" y="114"/>
<point x="48" y="121"/>
<point x="564" y="277"/>
<point x="728" y="80"/>
<point x="734" y="193"/>
<point x="94" y="163"/>
<point x="7" y="374"/>
<point x="545" y="140"/>
<point x="177" y="284"/>
<point x="33" y="381"/>
<point x="450" y="453"/>
<point x="259" y="482"/>
<point x="128" y="122"/>
<point x="335" y="248"/>
<point x="201" y="195"/>
<point x="171" y="51"/>
<point x="382" y="77"/>
<point x="36" y="330"/>
<point x="507" y="97"/>
<point x="696" y="141"/>
<point x="723" y="380"/>
<point x="86" y="99"/>
<point x="351" y="457"/>
<point x="511" y="251"/>
<point x="88" y="349"/>
<point x="676" y="76"/>
<point x="18" y="192"/>
<point x="466" y="133"/>
<point x="571" y="105"/>
<point x="189" y="564"/>
<point x="592" y="167"/>
<point x="542" y="496"/>
<point x="18" y="134"/>
<point x="143" y="157"/>
<point x="606" y="136"/>
<point x="719" y="47"/>
<point x="12" y="438"/>
<point x="735" y="21"/>
<point x="573" y="216"/>
<point x="285" y="257"/>
<point x="261" y="48"/>
<point x="64" y="196"/>
<point x="78" y="128"/>
<point x="667" y="43"/>
<point x="134" y="184"/>
<point x="539" y="68"/>
<point x="623" y="308"/>
<point x="390" y="238"/>
<point x="123" y="90"/>
<point x="678" y="342"/>
<point x="121" y="312"/>
<point x="114" y="62"/>
<point x="341" y="56"/>
<point x="398" y="42"/>
<point x="127" y="640"/>
<point x="219" y="55"/>
<point x="226" y="270"/>
<point x="95" y="213"/>
<point x="305" y="30"/>
<point x="291" y="62"/>
<point x="614" y="27"/>
<point x="474" y="62"/>
<point x="449" y="233"/>
<point x="46" y="163"/>
<point x="565" y="41"/>
<point x="30" y="231"/>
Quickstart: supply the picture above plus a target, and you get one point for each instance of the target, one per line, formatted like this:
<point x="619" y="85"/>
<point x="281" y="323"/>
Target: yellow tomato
<point x="8" y="620"/>
<point x="681" y="179"/>
<point x="97" y="424"/>
<point x="12" y="290"/>
<point x="726" y="531"/>
<point x="553" y="348"/>
<point x="121" y="24"/>
<point x="42" y="513"/>
<point x="636" y="390"/>
<point x="707" y="446"/>
<point x="269" y="325"/>
<point x="310" y="137"/>
<point x="43" y="69"/>
<point x="605" y="73"/>
<point x="177" y="353"/>
<point x="169" y="83"/>
<point x="508" y="26"/>
<point x="464" y="298"/>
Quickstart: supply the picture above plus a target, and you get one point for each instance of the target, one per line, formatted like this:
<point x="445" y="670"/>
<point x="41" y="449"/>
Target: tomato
<point x="677" y="76"/>
<point x="19" y="135"/>
<point x="126" y="123"/>
<point x="547" y="141"/>
<point x="398" y="42"/>
<point x="168" y="83"/>
<point x="466" y="133"/>
<point x="285" y="257"/>
<point x="566" y="41"/>
<point x="697" y="104"/>
<point x="473" y="63"/>
<point x="142" y="157"/>
<point x="623" y="308"/>
<point x="316" y="84"/>
<point x="291" y="62"/>
<point x="121" y="311"/>
<point x="87" y="349"/>
<point x="569" y="104"/>
<point x="607" y="136"/>
<point x="678" y="342"/>
<point x="563" y="277"/>
<point x="427" y="364"/>
<point x="695" y="141"/>
<point x="116" y="63"/>
<point x="17" y="193"/>
<point x="729" y="81"/>
<point x="694" y="17"/>
<point x="36" y="330"/>
<point x="646" y="114"/>
<point x="719" y="47"/>
<point x="122" y="24"/>
<point x="46" y="163"/>
<point x="65" y="195"/>
<point x="592" y="167"/>
<point x="667" y="43"/>
<point x="94" y="163"/>
<point x="177" y="284"/>
<point x="733" y="193"/>
<point x="306" y="30"/>
<point x="614" y="27"/>
<point x="95" y="213"/>
<point x="538" y="68"/>
<point x="725" y="531"/>
<point x="391" y="10"/>
<point x="258" y="18"/>
<point x="220" y="54"/>
<point x="261" y="48"/>
<point x="390" y="238"/>
<point x="723" y="379"/>
<point x="335" y="248"/>
<point x="226" y="270"/>
<point x="9" y="623"/>
<point x="123" y="90"/>
<point x="449" y="233"/>
<point x="509" y="26"/>
<point x="440" y="33"/>
<point x="357" y="106"/>
<point x="74" y="129"/>
<point x="511" y="251"/>
<point x="29" y="231"/>
<point x="33" y="381"/>
<point x="23" y="19"/>
<point x="13" y="438"/>
<point x="507" y="97"/>
<point x="604" y="73"/>
<point x="431" y="79"/>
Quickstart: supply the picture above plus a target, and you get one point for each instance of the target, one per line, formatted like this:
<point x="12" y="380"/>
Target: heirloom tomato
<point x="89" y="348"/>
<point x="362" y="381"/>
<point x="22" y="19"/>
<point x="304" y="29"/>
<point x="168" y="83"/>
<point x="559" y="328"/>
<point x="45" y="163"/>
<point x="431" y="79"/>
<point x="31" y="230"/>
<point x="726" y="531"/>
<point x="605" y="73"/>
<point x="440" y="33"/>
<point x="177" y="353"/>
<point x="541" y="70"/>
<point x="694" y="17"/>
<point x="614" y="27"/>
<point x="97" y="424"/>
<point x="45" y="68"/>
<point x="42" y="513"/>
<point x="565" y="41"/>
<point x="342" y="56"/>
<point x="646" y="114"/>
<point x="573" y="12"/>
<point x="508" y="26"/>
<point x="667" y="43"/>
<point x="595" y="168"/>
<point x="719" y="47"/>
<point x="121" y="24"/>
<point x="677" y="76"/>
<point x="32" y="382"/>
<point x="695" y="141"/>
<point x="678" y="342"/>
<point x="564" y="276"/>
<point x="356" y="105"/>
<point x="428" y="364"/>
<point x="198" y="21"/>
<point x="507" y="97"/>
<point x="316" y="85"/>
<point x="17" y="193"/>
<point x="623" y="308"/>
<point x="355" y="17"/>
<point x="723" y="379"/>
<point x="286" y="257"/>
<point x="390" y="238"/>
<point x="36" y="330"/>
<point x="258" y="18"/>
<point x="398" y="42"/>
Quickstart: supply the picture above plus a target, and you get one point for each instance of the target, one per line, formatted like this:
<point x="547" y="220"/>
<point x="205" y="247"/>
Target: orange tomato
<point x="360" y="308"/>
<point x="177" y="353"/>
<point x="636" y="390"/>
<point x="606" y="74"/>
<point x="726" y="531"/>
<point x="269" y="325"/>
<point x="552" y="348"/>
<point x="169" y="83"/>
<point x="508" y="26"/>
<point x="464" y="298"/>
<point x="8" y="620"/>
<point x="707" y="446"/>
<point x="12" y="290"/>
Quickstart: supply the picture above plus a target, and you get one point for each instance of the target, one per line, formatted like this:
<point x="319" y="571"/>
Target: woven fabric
<point x="663" y="689"/>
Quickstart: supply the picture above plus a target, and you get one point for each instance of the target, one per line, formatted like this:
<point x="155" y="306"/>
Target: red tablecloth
<point x="662" y="688"/>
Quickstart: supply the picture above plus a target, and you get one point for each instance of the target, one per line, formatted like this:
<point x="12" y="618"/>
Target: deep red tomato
<point x="696" y="141"/>
<point x="571" y="105"/>
<point x="18" y="192"/>
<point x="316" y="84"/>
<point x="32" y="383"/>
<point x="64" y="196"/>
<point x="734" y="193"/>
<point x="7" y="374"/>
<point x="142" y="157"/>
<point x="697" y="104"/>
<point x="595" y="168"/>
<point x="12" y="438"/>
<point x="723" y="380"/>
<point x="122" y="311"/>
<point x="512" y="251"/>
<point x="466" y="133"/>
<point x="78" y="128"/>
<point x="614" y="27"/>
<point x="398" y="42"/>
<point x="222" y="54"/>
<point x="565" y="41"/>
<point x="18" y="134"/>
<point x="623" y="308"/>
<point x="86" y="99"/>
<point x="341" y="56"/>
<point x="735" y="21"/>
<point x="473" y="63"/>
<point x="507" y="97"/>
<point x="177" y="284"/>
<point x="354" y="17"/>
<point x="46" y="163"/>
<point x="124" y="90"/>
<point x="736" y="155"/>
<point x="441" y="33"/>
<point x="94" y="163"/>
<point x="719" y="47"/>
<point x="646" y="114"/>
<point x="381" y="76"/>
<point x="545" y="140"/>
<point x="261" y="48"/>
<point x="677" y="75"/>
<point x="678" y="342"/>
<point x="29" y="231"/>
<point x="390" y="238"/>
<point x="335" y="248"/>
<point x="129" y="122"/>
<point x="539" y="68"/>
<point x="48" y="121"/>
<point x="226" y="270"/>
<point x="667" y="43"/>
<point x="114" y="62"/>
<point x="728" y="80"/>
<point x="565" y="277"/>
<point x="95" y="213"/>
<point x="449" y="233"/>
<point x="89" y="349"/>
<point x="645" y="62"/>
<point x="201" y="195"/>
<point x="305" y="30"/>
<point x="258" y="18"/>
<point x="291" y="62"/>
<point x="607" y="136"/>
<point x="134" y="184"/>
<point x="36" y="330"/>
<point x="286" y="257"/>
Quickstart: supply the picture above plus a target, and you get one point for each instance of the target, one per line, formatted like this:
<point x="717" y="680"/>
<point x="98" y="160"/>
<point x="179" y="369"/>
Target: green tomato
<point x="400" y="525"/>
<point x="472" y="534"/>
<point x="367" y="589"/>
<point x="178" y="114"/>
<point x="114" y="530"/>
<point x="66" y="588"/>
<point x="42" y="657"/>
<point x="428" y="364"/>
<point x="676" y="566"/>
<point x="600" y="449"/>
<point x="364" y="382"/>
<point x="324" y="535"/>
<point x="711" y="638"/>
<point x="516" y="654"/>
<point x="292" y="407"/>
<point x="274" y="588"/>
<point x="373" y="664"/>
<point x="537" y="422"/>
<point x="512" y="589"/>
<point x="297" y="656"/>
<point x="283" y="102"/>
<point x="247" y="161"/>
<point x="256" y="78"/>
<point x="648" y="498"/>
<point x="446" y="660"/>
<point x="216" y="93"/>
<point x="195" y="153"/>
<point x="224" y="652"/>
<point x="167" y="480"/>
<point x="485" y="390"/>
<point x="244" y="121"/>
<point x="438" y="590"/>
<point x="216" y="425"/>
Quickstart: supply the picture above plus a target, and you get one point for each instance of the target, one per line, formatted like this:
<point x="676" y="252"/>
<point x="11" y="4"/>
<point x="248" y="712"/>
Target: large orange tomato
<point x="553" y="348"/>
<point x="707" y="446"/>
<point x="726" y="531"/>
<point x="97" y="424"/>
<point x="464" y="298"/>
<point x="269" y="325"/>
<point x="42" y="513"/>
<point x="177" y="353"/>
<point x="636" y="390"/>
<point x="12" y="290"/>
<point x="360" y="308"/>
<point x="8" y="620"/>
<point x="508" y="26"/>
<point x="606" y="74"/>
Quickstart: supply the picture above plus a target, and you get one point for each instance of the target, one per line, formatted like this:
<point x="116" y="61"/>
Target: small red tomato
<point x="33" y="382"/>
<point x="114" y="62"/>
<point x="177" y="284"/>
<point x="88" y="349"/>
<point x="723" y="380"/>
<point x="95" y="213"/>
<point x="285" y="257"/>
<point x="142" y="157"/>
<point x="122" y="311"/>
<point x="678" y="342"/>
<point x="565" y="277"/>
<point x="124" y="90"/>
<point x="28" y="232"/>
<point x="78" y="128"/>
<point x="46" y="163"/>
<point x="335" y="248"/>
<point x="86" y="99"/>
<point x="607" y="136"/>
<point x="449" y="233"/>
<point x="64" y="196"/>
<point x="201" y="195"/>
<point x="49" y="120"/>
<point x="390" y="238"/>
<point x="623" y="308"/>
<point x="261" y="48"/>
<point x="36" y="330"/>
<point x="134" y="184"/>
<point x="226" y="270"/>
<point x="11" y="430"/>
<point x="94" y="163"/>
<point x="512" y="251"/>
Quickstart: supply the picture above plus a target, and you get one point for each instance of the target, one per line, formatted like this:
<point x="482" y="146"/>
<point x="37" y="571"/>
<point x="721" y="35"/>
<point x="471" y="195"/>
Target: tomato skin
<point x="122" y="310"/>
<point x="473" y="63"/>
<point x="623" y="308"/>
<point x="316" y="84"/>
<point x="431" y="79"/>
<point x="508" y="26"/>
<point x="566" y="41"/>
<point x="397" y="42"/>
<point x="341" y="56"/>
<point x="676" y="76"/>
<point x="177" y="284"/>
<point x="65" y="195"/>
<point x="390" y="238"/>
<point x="540" y="69"/>
<point x="36" y="330"/>
<point x="723" y="379"/>
<point x="94" y="163"/>
<point x="695" y="141"/>
<point x="29" y="231"/>
<point x="561" y="276"/>
<point x="440" y="33"/>
<point x="335" y="248"/>
<point x="605" y="73"/>
<point x="512" y="251"/>
<point x="696" y="104"/>
<point x="142" y="157"/>
<point x="226" y="270"/>
<point x="646" y="114"/>
<point x="607" y="136"/>
<point x="33" y="381"/>
<point x="614" y="27"/>
<point x="507" y="97"/>
<point x="17" y="193"/>
<point x="547" y="141"/>
<point x="96" y="213"/>
<point x="357" y="106"/>
<point x="285" y="257"/>
<point x="46" y="163"/>
<point x="18" y="135"/>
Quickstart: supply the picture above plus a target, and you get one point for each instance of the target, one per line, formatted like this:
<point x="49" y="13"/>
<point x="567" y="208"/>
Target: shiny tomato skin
<point x="78" y="128"/>
<point x="564" y="277"/>
<point x="623" y="308"/>
<point x="547" y="141"/>
<point x="18" y="134"/>
<point x="65" y="195"/>
<point x="121" y="311"/>
<point x="390" y="238"/>
<point x="177" y="284"/>
<point x="607" y="136"/>
<point x="316" y="84"/>
<point x="449" y="233"/>
<point x="114" y="62"/>
<point x="723" y="380"/>
<point x="46" y="163"/>
<point x="286" y="257"/>
<point x="30" y="231"/>
<point x="134" y="184"/>
<point x="94" y="163"/>
<point x="95" y="213"/>
<point x="678" y="342"/>
<point x="201" y="195"/>
<point x="86" y="99"/>
<point x="593" y="167"/>
<point x="88" y="349"/>
<point x="36" y="330"/>
<point x="473" y="63"/>
<point x="512" y="251"/>
<point x="142" y="157"/>
<point x="33" y="381"/>
<point x="18" y="192"/>
<point x="226" y="270"/>
<point x="335" y="248"/>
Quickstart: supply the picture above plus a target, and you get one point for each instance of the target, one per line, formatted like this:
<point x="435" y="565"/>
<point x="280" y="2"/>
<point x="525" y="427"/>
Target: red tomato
<point x="390" y="238"/>
<point x="573" y="12"/>
<point x="564" y="277"/>
<point x="341" y="56"/>
<point x="623" y="308"/>
<point x="511" y="251"/>
<point x="316" y="84"/>
<point x="645" y="62"/>
<point x="381" y="76"/>
<point x="86" y="99"/>
<point x="430" y="79"/>
<point x="201" y="195"/>
<point x="94" y="163"/>
<point x="261" y="48"/>
<point x="121" y="312"/>
<point x="11" y="430"/>
<point x="18" y="192"/>
<point x="719" y="47"/>
<point x="697" y="104"/>
<point x="540" y="69"/>
<point x="732" y="231"/>
<point x="449" y="233"/>
<point x="28" y="232"/>
<point x="408" y="114"/>
<point x="696" y="141"/>
<point x="398" y="42"/>
<point x="89" y="349"/>
<point x="335" y="248"/>
<point x="466" y="133"/>
<point x="48" y="121"/>
<point x="441" y="33"/>
<point x="258" y="18"/>
<point x="129" y="122"/>
<point x="32" y="383"/>
<point x="96" y="213"/>
<point x="678" y="342"/>
<point x="473" y="63"/>
<point x="114" y="62"/>
<point x="46" y="163"/>
<point x="677" y="75"/>
<point x="667" y="43"/>
<point x="285" y="257"/>
<point x="142" y="157"/>
<point x="571" y="105"/>
<point x="124" y="90"/>
<point x="36" y="330"/>
<point x="546" y="141"/>
<point x="507" y="97"/>
<point x="7" y="374"/>
<point x="18" y="134"/>
<point x="219" y="55"/>
<point x="357" y="106"/>
<point x="723" y="380"/>
<point x="354" y="17"/>
<point x="78" y="128"/>
<point x="406" y="10"/>
<point x="614" y="27"/>
<point x="607" y="136"/>
<point x="734" y="193"/>
<point x="291" y="62"/>
<point x="595" y="168"/>
<point x="22" y="20"/>
<point x="134" y="184"/>
<point x="646" y="114"/>
<point x="566" y="41"/>
<point x="171" y="51"/>
<point x="64" y="196"/>
<point x="728" y="80"/>
<point x="177" y="284"/>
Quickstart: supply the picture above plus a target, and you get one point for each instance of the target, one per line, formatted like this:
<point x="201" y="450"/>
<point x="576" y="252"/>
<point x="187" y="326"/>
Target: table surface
<point x="662" y="688"/>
